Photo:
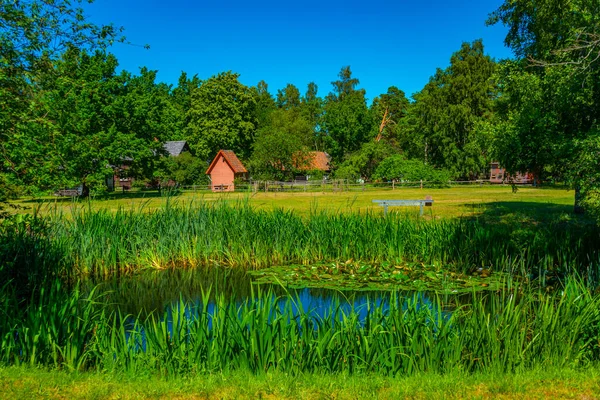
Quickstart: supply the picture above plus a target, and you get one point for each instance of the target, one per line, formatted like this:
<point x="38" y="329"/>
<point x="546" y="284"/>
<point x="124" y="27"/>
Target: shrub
<point x="403" y="170"/>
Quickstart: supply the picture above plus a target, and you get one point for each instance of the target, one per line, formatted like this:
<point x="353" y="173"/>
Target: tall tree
<point x="181" y="102"/>
<point x="450" y="109"/>
<point x="265" y="104"/>
<point x="388" y="111"/>
<point x="88" y="120"/>
<point x="312" y="111"/>
<point x="558" y="45"/>
<point x="33" y="34"/>
<point x="345" y="85"/>
<point x="222" y="116"/>
<point x="288" y="97"/>
<point x="346" y="121"/>
<point x="280" y="147"/>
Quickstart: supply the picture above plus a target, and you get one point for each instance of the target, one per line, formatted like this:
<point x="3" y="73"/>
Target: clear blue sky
<point x="386" y="43"/>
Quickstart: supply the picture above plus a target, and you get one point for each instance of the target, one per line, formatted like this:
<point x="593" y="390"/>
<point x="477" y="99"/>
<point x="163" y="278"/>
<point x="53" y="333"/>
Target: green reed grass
<point x="103" y="243"/>
<point x="492" y="333"/>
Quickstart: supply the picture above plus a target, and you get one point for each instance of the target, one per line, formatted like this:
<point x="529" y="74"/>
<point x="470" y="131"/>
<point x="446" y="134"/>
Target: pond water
<point x="160" y="291"/>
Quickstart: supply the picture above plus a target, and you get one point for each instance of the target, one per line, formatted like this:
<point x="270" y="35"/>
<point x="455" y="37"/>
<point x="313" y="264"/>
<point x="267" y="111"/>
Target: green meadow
<point x="457" y="201"/>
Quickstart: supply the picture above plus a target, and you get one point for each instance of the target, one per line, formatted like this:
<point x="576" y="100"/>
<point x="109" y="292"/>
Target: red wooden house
<point x="224" y="169"/>
<point x="499" y="175"/>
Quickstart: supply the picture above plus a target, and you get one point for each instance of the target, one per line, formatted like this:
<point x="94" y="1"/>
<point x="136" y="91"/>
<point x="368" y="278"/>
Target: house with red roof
<point x="312" y="161"/>
<point x="223" y="171"/>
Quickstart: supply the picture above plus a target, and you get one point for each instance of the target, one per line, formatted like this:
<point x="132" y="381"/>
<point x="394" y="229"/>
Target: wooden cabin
<point x="499" y="175"/>
<point x="223" y="171"/>
<point x="121" y="179"/>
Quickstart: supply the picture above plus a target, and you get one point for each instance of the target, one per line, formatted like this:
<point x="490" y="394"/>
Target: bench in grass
<point x="428" y="202"/>
<point x="67" y="193"/>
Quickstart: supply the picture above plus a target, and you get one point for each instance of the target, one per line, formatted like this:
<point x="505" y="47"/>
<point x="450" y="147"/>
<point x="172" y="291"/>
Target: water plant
<point x="102" y="243"/>
<point x="506" y="332"/>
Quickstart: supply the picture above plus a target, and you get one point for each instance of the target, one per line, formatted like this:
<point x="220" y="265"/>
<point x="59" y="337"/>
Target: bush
<point x="400" y="169"/>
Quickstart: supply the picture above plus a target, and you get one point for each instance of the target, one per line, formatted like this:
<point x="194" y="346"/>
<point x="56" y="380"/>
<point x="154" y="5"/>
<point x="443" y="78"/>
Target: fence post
<point x="421" y="183"/>
<point x="393" y="184"/>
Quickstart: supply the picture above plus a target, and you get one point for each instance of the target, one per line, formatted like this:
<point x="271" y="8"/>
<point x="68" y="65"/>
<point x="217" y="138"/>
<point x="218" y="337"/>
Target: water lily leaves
<point x="354" y="275"/>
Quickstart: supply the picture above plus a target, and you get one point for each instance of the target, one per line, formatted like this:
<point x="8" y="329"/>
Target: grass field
<point x="21" y="383"/>
<point x="448" y="202"/>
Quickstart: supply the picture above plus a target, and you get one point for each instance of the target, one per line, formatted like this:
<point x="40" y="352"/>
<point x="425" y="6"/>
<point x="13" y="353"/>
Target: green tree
<point x="451" y="107"/>
<point x="410" y="170"/>
<point x="265" y="104"/>
<point x="280" y="149"/>
<point x="222" y="116"/>
<point x="89" y="120"/>
<point x="363" y="162"/>
<point x="388" y="111"/>
<point x="185" y="169"/>
<point x="558" y="45"/>
<point x="288" y="97"/>
<point x="553" y="31"/>
<point x="181" y="102"/>
<point x="346" y="123"/>
<point x="312" y="111"/>
<point x="345" y="86"/>
<point x="33" y="34"/>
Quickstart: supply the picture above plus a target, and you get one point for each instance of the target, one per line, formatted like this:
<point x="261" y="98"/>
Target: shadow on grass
<point x="131" y="195"/>
<point x="520" y="211"/>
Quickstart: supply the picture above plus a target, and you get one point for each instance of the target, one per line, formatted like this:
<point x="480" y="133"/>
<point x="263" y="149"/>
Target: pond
<point x="158" y="291"/>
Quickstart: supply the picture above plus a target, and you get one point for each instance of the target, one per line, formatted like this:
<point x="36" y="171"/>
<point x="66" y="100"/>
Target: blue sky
<point x="386" y="43"/>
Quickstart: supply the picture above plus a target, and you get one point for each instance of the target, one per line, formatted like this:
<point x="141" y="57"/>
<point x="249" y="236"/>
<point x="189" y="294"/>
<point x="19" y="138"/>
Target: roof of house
<point x="231" y="159"/>
<point x="320" y="160"/>
<point x="175" y="148"/>
<point x="314" y="160"/>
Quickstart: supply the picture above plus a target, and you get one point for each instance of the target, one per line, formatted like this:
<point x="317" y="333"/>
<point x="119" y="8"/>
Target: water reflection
<point x="158" y="291"/>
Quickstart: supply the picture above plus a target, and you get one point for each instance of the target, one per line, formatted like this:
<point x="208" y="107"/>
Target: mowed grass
<point x="466" y="201"/>
<point x="21" y="383"/>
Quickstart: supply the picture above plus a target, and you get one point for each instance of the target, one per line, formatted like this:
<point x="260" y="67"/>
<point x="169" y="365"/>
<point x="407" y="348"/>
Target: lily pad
<point x="353" y="275"/>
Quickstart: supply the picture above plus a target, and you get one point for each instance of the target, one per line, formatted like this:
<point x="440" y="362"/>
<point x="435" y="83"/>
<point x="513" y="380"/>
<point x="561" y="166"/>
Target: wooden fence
<point x="337" y="186"/>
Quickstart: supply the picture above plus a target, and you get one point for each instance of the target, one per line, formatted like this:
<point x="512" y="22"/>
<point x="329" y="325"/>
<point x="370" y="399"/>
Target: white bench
<point x="428" y="202"/>
<point x="67" y="193"/>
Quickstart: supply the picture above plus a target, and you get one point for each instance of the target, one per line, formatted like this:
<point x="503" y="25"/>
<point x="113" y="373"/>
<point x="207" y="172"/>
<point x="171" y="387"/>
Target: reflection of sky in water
<point x="321" y="307"/>
<point x="315" y="303"/>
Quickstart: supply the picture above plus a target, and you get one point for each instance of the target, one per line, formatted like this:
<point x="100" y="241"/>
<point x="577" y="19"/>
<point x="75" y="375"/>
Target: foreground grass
<point x="448" y="202"/>
<point x="19" y="382"/>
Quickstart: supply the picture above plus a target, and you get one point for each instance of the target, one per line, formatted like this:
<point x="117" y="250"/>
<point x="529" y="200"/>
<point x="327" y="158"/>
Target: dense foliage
<point x="549" y="102"/>
<point x="402" y="170"/>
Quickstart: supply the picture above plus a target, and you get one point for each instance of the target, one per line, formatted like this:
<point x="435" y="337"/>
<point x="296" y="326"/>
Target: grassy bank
<point x="545" y="383"/>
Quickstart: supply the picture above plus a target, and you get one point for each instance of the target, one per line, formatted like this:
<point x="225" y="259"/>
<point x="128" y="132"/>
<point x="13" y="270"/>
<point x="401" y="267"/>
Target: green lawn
<point x="449" y="202"/>
<point x="21" y="383"/>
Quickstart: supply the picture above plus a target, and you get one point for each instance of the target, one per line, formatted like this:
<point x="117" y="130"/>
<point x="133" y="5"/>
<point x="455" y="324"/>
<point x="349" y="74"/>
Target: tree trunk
<point x="85" y="190"/>
<point x="578" y="208"/>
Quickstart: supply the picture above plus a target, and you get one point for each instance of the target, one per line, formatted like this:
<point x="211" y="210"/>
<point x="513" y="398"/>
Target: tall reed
<point x="105" y="243"/>
<point x="492" y="333"/>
